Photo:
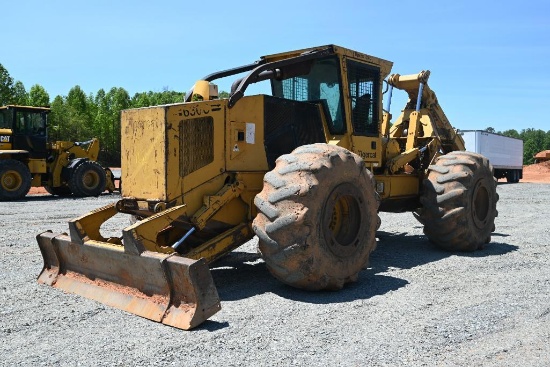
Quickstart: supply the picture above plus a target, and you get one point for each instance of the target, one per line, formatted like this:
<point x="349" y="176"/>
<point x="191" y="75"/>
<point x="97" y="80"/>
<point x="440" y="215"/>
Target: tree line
<point x="79" y="116"/>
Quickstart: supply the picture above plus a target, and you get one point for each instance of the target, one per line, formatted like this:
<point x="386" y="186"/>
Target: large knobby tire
<point x="317" y="217"/>
<point x="15" y="179"/>
<point x="459" y="202"/>
<point x="88" y="179"/>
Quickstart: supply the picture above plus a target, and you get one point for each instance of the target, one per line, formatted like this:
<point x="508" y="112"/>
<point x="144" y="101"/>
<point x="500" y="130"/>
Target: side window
<point x="364" y="81"/>
<point x="21" y="123"/>
<point x="37" y="124"/>
<point x="321" y="85"/>
<point x="4" y="119"/>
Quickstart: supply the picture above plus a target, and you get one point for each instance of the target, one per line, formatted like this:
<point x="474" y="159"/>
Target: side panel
<point x="245" y="149"/>
<point x="195" y="135"/>
<point x="471" y="141"/>
<point x="5" y="139"/>
<point x="143" y="158"/>
<point x="502" y="151"/>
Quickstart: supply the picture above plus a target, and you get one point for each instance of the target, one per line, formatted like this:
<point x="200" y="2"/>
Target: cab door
<point x="364" y="110"/>
<point x="29" y="133"/>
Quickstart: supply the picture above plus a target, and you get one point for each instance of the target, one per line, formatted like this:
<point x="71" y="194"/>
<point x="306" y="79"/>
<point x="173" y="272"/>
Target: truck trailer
<point x="505" y="153"/>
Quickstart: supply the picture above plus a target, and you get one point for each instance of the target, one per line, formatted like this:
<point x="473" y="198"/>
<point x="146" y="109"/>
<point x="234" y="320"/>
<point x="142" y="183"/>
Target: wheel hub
<point x="342" y="221"/>
<point x="480" y="204"/>
<point x="11" y="181"/>
<point x="90" y="179"/>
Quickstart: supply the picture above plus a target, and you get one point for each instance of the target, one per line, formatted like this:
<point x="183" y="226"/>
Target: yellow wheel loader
<point x="306" y="169"/>
<point x="28" y="160"/>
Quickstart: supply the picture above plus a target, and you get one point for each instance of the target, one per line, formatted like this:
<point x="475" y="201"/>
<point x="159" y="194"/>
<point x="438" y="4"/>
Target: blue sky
<point x="490" y="61"/>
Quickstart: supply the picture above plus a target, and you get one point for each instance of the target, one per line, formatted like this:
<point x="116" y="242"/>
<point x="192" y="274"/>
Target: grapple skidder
<point x="306" y="169"/>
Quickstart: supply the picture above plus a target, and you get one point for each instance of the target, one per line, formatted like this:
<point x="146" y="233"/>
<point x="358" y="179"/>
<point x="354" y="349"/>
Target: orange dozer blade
<point x="166" y="288"/>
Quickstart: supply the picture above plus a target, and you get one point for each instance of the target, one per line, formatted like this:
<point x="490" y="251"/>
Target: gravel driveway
<point x="415" y="305"/>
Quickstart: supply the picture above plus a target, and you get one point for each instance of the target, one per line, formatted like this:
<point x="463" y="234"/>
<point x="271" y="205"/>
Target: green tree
<point x="490" y="130"/>
<point x="547" y="141"/>
<point x="58" y="120"/>
<point x="20" y="95"/>
<point x="533" y="142"/>
<point x="511" y="133"/>
<point x="6" y="87"/>
<point x="140" y="100"/>
<point x="77" y="100"/>
<point x="38" y="96"/>
<point x="79" y="126"/>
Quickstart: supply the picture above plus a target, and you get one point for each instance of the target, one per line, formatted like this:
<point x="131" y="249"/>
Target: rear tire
<point x="15" y="179"/>
<point x="512" y="176"/>
<point x="59" y="191"/>
<point x="317" y="217"/>
<point x="88" y="179"/>
<point x="459" y="202"/>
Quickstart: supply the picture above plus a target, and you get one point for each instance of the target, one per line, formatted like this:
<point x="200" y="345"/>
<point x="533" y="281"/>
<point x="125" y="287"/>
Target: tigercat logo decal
<point x="367" y="155"/>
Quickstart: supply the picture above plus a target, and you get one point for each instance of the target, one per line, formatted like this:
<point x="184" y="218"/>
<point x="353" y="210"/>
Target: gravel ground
<point x="415" y="305"/>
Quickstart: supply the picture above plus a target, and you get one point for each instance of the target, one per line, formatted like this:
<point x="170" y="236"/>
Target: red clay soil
<point x="539" y="172"/>
<point x="37" y="191"/>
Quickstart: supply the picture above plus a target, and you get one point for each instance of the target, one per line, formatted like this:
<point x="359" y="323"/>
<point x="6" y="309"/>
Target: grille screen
<point x="196" y="144"/>
<point x="290" y="124"/>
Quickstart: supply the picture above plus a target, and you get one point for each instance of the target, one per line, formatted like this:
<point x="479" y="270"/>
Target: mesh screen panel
<point x="290" y="124"/>
<point x="196" y="144"/>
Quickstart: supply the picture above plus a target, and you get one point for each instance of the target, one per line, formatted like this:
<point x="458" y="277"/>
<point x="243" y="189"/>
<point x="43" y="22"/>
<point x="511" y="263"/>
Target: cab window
<point x="321" y="85"/>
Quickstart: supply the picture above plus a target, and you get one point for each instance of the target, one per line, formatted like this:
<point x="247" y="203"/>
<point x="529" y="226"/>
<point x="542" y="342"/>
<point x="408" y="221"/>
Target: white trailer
<point x="504" y="153"/>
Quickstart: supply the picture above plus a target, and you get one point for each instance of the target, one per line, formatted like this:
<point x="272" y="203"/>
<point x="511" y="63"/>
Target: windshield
<point x="321" y="85"/>
<point x="30" y="123"/>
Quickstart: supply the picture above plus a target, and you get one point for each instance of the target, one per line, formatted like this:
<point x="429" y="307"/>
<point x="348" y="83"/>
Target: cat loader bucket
<point x="162" y="287"/>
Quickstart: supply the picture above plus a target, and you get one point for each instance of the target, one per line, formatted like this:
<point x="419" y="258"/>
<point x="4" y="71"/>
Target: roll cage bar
<point x="262" y="70"/>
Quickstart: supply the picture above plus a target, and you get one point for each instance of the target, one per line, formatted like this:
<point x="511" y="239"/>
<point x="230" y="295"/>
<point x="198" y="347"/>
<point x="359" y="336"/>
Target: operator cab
<point x="26" y="128"/>
<point x="323" y="84"/>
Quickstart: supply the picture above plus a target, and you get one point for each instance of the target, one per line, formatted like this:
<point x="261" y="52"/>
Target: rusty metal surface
<point x="170" y="289"/>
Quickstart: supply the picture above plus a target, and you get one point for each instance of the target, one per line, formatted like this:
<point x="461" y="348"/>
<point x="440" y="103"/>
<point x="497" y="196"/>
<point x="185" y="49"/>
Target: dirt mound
<point x="539" y="172"/>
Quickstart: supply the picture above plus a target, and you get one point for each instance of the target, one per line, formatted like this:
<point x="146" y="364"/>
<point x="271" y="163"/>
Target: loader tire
<point x="59" y="191"/>
<point x="88" y="179"/>
<point x="317" y="217"/>
<point x="459" y="202"/>
<point x="15" y="179"/>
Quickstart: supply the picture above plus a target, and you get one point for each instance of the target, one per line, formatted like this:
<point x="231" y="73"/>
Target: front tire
<point x="317" y="217"/>
<point x="88" y="179"/>
<point x="15" y="179"/>
<point x="459" y="202"/>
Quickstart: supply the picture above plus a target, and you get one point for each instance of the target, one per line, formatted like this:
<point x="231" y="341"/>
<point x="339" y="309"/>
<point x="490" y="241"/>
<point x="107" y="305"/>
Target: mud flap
<point x="166" y="288"/>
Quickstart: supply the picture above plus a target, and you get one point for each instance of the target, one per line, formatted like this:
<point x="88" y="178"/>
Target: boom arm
<point x="422" y="118"/>
<point x="417" y="85"/>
